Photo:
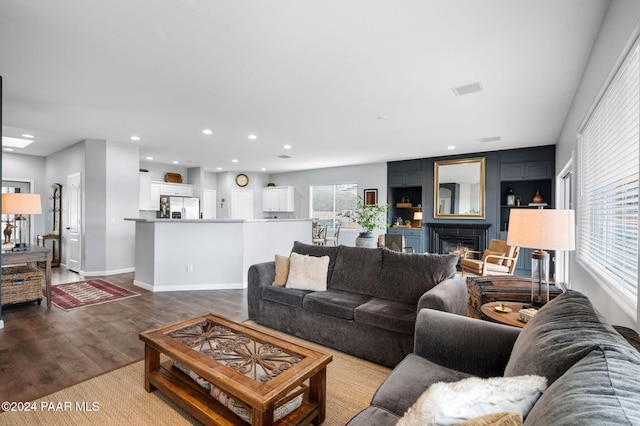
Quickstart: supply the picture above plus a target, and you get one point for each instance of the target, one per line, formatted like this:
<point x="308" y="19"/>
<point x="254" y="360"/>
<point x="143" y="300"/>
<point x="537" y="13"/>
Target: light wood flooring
<point x="44" y="350"/>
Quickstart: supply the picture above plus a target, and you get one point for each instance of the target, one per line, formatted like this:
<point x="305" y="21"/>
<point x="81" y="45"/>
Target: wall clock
<point x="242" y="180"/>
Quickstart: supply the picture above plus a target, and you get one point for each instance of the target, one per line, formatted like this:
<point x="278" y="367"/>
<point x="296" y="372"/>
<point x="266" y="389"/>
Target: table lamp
<point x="541" y="230"/>
<point x="418" y="216"/>
<point x="19" y="204"/>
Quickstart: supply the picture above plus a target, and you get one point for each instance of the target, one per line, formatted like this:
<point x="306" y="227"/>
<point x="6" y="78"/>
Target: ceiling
<point x="342" y="82"/>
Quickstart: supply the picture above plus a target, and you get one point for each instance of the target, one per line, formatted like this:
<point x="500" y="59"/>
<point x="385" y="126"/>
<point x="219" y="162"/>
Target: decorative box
<point x="481" y="290"/>
<point x="21" y="284"/>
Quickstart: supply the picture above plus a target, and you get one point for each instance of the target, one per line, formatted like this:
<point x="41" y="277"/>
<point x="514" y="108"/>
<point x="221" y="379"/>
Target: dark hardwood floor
<point x="44" y="350"/>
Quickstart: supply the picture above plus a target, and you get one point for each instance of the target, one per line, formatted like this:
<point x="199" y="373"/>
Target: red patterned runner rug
<point x="86" y="293"/>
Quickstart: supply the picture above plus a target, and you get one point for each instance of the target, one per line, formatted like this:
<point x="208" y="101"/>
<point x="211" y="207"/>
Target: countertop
<point x="134" y="219"/>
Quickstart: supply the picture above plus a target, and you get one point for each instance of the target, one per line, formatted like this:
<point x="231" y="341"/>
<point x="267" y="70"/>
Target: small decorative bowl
<point x="8" y="246"/>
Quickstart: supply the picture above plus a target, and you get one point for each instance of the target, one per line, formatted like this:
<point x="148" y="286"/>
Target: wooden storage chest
<point x="21" y="284"/>
<point x="481" y="290"/>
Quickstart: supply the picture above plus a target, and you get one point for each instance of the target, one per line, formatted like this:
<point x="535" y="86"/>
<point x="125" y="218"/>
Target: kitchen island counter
<point x="192" y="254"/>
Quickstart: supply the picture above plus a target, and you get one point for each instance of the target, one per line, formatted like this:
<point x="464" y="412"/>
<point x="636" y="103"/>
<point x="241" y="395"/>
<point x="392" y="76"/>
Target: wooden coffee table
<point x="257" y="370"/>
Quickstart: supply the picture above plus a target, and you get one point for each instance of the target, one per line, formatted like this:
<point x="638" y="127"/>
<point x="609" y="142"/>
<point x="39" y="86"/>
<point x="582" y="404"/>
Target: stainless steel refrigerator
<point x="179" y="207"/>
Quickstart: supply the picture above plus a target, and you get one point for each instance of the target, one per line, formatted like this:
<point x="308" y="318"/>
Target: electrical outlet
<point x="189" y="268"/>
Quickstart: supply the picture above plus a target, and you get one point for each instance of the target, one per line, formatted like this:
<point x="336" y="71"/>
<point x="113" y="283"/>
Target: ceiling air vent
<point x="285" y="156"/>
<point x="468" y="88"/>
<point x="491" y="139"/>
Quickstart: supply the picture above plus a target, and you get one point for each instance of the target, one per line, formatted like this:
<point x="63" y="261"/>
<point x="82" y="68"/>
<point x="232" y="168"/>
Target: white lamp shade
<point x="417" y="215"/>
<point x="542" y="229"/>
<point x="21" y="204"/>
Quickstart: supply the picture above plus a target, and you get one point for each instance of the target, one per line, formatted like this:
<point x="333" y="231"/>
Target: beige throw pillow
<point x="282" y="270"/>
<point x="308" y="272"/>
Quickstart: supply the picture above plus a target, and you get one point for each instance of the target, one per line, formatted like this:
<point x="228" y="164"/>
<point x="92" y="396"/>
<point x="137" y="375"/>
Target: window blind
<point x="608" y="166"/>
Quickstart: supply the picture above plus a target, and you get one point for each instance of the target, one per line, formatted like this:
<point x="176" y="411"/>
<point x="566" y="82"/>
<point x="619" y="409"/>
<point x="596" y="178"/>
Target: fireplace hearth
<point x="447" y="238"/>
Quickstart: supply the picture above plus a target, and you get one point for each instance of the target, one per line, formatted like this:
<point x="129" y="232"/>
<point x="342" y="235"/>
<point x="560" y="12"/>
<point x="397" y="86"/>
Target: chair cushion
<point x="284" y="296"/>
<point x="475" y="266"/>
<point x="357" y="269"/>
<point x="501" y="246"/>
<point x="334" y="303"/>
<point x="409" y="380"/>
<point x="406" y="276"/>
<point x="563" y="332"/>
<point x="602" y="388"/>
<point x="389" y="315"/>
<point x="495" y="260"/>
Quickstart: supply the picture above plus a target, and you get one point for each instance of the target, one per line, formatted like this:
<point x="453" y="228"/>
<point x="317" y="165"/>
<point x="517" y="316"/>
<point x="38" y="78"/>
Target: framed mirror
<point x="459" y="189"/>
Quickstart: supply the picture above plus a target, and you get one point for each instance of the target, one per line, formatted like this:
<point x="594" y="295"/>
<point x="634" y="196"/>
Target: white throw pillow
<point x="452" y="403"/>
<point x="308" y="272"/>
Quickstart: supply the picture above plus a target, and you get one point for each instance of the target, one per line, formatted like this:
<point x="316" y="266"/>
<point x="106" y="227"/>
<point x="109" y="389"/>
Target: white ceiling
<point x="315" y="74"/>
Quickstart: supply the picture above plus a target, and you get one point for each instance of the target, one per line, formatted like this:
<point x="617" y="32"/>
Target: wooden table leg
<point x="151" y="364"/>
<point x="47" y="278"/>
<point x="318" y="393"/>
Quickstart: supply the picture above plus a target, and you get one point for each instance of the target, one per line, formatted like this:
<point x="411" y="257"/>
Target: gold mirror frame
<point x="464" y="174"/>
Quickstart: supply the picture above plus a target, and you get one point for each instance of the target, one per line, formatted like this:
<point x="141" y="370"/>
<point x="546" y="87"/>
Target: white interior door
<point x="209" y="204"/>
<point x="242" y="204"/>
<point x="74" y="223"/>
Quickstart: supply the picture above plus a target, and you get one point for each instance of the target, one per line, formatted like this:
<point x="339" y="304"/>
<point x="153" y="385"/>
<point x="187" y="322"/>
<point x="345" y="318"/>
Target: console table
<point x="33" y="255"/>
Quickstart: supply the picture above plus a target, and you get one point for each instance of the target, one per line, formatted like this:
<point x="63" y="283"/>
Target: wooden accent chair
<point x="498" y="259"/>
<point x="394" y="242"/>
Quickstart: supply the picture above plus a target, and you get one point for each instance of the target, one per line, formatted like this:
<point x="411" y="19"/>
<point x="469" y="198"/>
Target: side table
<point x="508" y="318"/>
<point x="33" y="255"/>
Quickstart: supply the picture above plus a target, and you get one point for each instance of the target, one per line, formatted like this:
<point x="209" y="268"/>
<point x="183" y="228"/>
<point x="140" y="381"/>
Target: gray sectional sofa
<point x="593" y="372"/>
<point x="370" y="306"/>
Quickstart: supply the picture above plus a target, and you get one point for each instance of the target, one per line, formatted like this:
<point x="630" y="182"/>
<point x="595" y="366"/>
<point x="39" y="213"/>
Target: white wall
<point x="367" y="176"/>
<point x="616" y="29"/>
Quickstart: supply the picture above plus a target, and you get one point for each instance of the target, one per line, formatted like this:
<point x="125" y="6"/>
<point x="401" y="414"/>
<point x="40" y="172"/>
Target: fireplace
<point x="447" y="238"/>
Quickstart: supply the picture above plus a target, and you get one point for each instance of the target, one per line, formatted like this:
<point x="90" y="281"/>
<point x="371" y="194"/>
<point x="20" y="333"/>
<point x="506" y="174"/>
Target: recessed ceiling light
<point x="234" y="160"/>
<point x="149" y="158"/>
<point x="383" y="117"/>
<point x="450" y="147"/>
<point x="27" y="136"/>
<point x="287" y="146"/>
<point x="15" y="142"/>
<point x="8" y="149"/>
<point x="263" y="169"/>
<point x="253" y="137"/>
<point x="218" y="168"/>
<point x="135" y="138"/>
<point x="207" y="131"/>
<point x="175" y="162"/>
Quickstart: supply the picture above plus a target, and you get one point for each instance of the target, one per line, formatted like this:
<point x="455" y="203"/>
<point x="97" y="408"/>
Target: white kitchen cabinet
<point x="145" y="191"/>
<point x="180" y="189"/>
<point x="278" y="199"/>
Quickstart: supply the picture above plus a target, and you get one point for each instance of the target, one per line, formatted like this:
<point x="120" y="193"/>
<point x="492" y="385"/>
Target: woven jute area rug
<point x="87" y="293"/>
<point x="119" y="398"/>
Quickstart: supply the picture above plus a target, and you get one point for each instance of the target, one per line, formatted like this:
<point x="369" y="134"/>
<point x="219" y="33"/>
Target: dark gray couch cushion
<point x="285" y="296"/>
<point x="357" y="270"/>
<point x="405" y="276"/>
<point x="563" y="332"/>
<point x="409" y="380"/>
<point x="388" y="314"/>
<point x="335" y="303"/>
<point x="374" y="416"/>
<point x="318" y="251"/>
<point x="603" y="388"/>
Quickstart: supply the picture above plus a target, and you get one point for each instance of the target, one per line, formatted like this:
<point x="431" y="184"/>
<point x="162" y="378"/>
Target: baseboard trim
<point x="187" y="287"/>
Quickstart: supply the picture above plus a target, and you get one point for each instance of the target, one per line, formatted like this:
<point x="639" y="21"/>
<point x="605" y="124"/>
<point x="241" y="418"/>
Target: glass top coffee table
<point x="258" y="372"/>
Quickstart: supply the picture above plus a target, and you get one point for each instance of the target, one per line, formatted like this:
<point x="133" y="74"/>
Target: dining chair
<point x="334" y="238"/>
<point x="319" y="236"/>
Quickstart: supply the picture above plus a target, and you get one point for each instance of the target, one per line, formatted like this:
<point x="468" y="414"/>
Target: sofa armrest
<point x="449" y="296"/>
<point x="474" y="346"/>
<point x="258" y="276"/>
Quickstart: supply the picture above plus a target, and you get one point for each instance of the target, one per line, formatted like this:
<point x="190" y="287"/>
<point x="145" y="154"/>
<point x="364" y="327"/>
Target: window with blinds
<point x="607" y="216"/>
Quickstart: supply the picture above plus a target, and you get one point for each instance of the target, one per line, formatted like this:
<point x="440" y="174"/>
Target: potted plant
<point x="369" y="217"/>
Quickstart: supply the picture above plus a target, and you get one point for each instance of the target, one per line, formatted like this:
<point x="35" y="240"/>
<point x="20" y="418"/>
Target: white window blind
<point x="607" y="227"/>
